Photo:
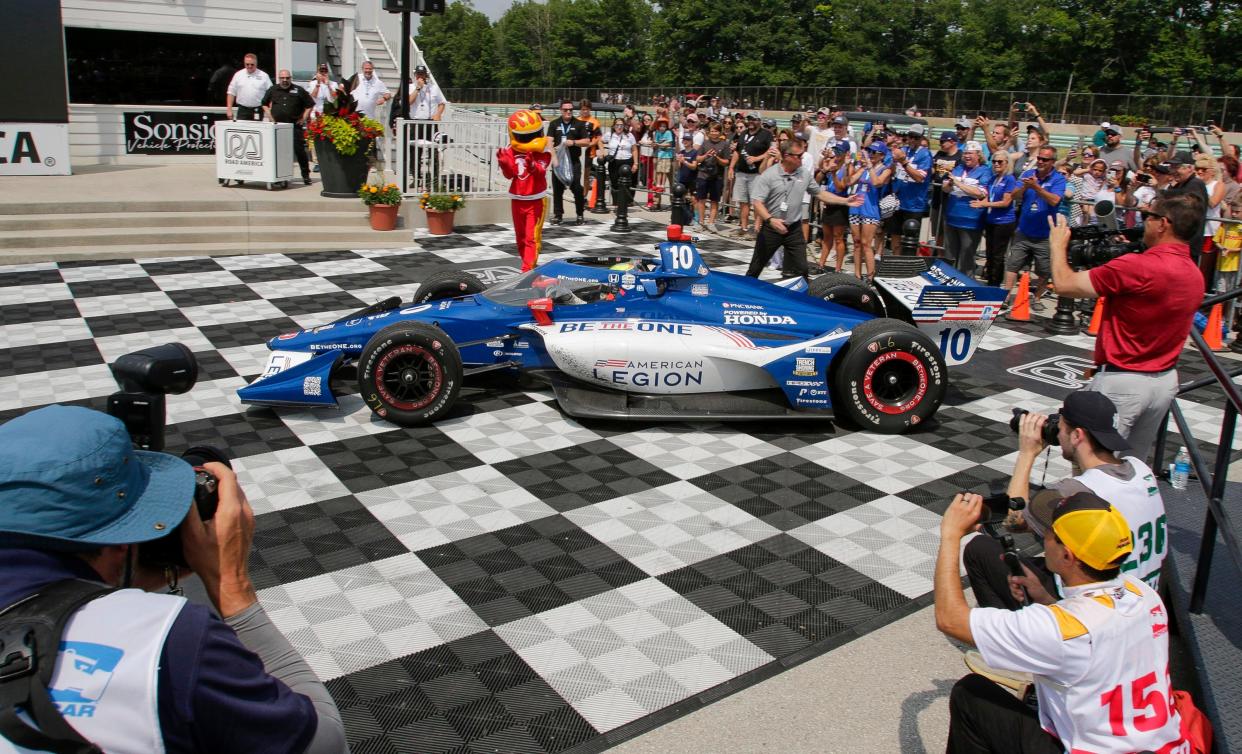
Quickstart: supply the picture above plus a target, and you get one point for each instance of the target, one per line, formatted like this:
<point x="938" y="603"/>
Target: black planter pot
<point x="342" y="175"/>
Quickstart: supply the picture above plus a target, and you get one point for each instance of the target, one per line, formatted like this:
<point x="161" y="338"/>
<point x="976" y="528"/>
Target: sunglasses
<point x="567" y="109"/>
<point x="1148" y="215"/>
<point x="999" y="162"/>
<point x="1045" y="159"/>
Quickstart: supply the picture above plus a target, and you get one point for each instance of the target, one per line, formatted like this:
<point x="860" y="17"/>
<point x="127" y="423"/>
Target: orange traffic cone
<point x="594" y="193"/>
<point x="1211" y="333"/>
<point x="1093" y="329"/>
<point x="1021" y="311"/>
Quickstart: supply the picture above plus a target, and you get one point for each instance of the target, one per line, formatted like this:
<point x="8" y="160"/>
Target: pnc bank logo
<point x="242" y="145"/>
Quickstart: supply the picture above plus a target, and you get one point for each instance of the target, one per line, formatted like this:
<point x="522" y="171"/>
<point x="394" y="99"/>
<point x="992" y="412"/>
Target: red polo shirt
<point x="1152" y="299"/>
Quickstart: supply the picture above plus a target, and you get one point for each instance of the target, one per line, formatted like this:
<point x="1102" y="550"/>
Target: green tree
<point x="524" y="44"/>
<point x="459" y="46"/>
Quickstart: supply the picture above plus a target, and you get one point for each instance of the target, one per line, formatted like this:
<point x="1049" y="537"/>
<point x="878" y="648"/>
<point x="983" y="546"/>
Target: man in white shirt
<point x="321" y="89"/>
<point x="426" y="100"/>
<point x="368" y="91"/>
<point x="427" y="103"/>
<point x="1099" y="656"/>
<point x="246" y="90"/>
<point x="691" y="129"/>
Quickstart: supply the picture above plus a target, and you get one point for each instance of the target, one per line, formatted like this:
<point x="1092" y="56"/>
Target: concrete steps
<point x="31" y="232"/>
<point x="100" y="220"/>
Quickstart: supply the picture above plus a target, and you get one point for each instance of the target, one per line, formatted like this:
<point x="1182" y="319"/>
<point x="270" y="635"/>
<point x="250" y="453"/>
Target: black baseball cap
<point x="1180" y="158"/>
<point x="1096" y="413"/>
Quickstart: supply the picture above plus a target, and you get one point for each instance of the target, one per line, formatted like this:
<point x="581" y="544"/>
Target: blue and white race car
<point x="652" y="337"/>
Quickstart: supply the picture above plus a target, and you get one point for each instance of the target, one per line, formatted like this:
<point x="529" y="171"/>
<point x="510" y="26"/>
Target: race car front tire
<point x="847" y="290"/>
<point x="410" y="373"/>
<point x="447" y="284"/>
<point x="890" y="379"/>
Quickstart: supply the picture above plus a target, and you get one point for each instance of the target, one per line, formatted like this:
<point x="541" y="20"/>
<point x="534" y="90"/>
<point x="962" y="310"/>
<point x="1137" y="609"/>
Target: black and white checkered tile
<point x="512" y="579"/>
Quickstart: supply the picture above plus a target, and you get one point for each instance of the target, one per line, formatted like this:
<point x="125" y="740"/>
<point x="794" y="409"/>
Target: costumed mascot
<point x="525" y="163"/>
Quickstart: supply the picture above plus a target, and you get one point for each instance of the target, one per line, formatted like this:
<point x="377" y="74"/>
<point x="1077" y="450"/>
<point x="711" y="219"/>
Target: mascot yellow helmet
<point x="526" y="131"/>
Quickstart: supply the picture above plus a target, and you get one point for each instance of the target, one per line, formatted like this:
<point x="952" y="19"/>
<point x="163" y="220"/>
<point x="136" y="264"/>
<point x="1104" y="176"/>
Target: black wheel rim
<point x="895" y="382"/>
<point x="408" y="377"/>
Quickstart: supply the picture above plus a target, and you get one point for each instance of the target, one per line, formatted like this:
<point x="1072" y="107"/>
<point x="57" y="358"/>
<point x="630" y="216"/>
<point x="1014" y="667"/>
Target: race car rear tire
<point x="447" y="284"/>
<point x="890" y="378"/>
<point x="410" y="373"/>
<point x="847" y="290"/>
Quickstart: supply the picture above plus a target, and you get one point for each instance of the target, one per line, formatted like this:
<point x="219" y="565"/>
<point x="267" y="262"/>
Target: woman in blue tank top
<point x="866" y="176"/>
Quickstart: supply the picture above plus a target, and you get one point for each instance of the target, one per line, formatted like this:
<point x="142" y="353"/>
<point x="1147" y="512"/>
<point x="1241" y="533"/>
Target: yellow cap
<point x="1093" y="530"/>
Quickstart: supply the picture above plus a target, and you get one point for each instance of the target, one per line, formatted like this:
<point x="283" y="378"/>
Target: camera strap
<point x="30" y="633"/>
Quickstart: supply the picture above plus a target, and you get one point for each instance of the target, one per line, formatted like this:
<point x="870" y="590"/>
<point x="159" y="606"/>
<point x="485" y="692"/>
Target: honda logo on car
<point x="758" y="318"/>
<point x="648" y="373"/>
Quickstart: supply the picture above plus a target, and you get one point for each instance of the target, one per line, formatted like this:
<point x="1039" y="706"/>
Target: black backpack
<point x="30" y="632"/>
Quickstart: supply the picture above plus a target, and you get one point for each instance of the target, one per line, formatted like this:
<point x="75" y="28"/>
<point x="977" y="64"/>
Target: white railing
<point x="457" y="155"/>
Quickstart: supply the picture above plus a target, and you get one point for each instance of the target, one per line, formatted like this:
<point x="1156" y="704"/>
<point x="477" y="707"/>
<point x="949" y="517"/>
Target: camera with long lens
<point x="1049" y="431"/>
<point x="146" y="377"/>
<point x="1093" y="245"/>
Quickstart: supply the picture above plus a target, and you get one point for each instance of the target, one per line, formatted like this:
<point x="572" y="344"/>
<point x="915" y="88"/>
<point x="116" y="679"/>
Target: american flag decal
<point x="967" y="311"/>
<point x="611" y="363"/>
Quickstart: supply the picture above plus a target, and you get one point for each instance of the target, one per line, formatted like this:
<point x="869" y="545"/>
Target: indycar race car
<point x="652" y="337"/>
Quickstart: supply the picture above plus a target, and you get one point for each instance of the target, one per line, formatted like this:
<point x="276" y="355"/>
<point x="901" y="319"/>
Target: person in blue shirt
<point x="963" y="220"/>
<point x="1000" y="218"/>
<point x="835" y="218"/>
<point x="911" y="179"/>
<point x="1038" y="197"/>
<point x="687" y="170"/>
<point x="865" y="178"/>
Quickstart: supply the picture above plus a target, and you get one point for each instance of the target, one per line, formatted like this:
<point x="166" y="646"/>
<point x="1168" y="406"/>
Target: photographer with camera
<point x="1099" y="656"/>
<point x="81" y="513"/>
<point x="1151" y="302"/>
<point x="1085" y="433"/>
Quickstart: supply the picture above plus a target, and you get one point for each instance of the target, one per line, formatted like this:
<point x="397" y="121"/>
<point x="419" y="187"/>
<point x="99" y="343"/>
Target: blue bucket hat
<point x="71" y="480"/>
<point x="878" y="147"/>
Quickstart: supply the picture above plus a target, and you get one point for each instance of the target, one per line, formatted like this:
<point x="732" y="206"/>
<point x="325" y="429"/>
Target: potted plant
<point x="383" y="201"/>
<point x="342" y="138"/>
<point x="440" y="209"/>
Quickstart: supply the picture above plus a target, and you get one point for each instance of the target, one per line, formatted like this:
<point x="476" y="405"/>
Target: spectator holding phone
<point x="865" y="178"/>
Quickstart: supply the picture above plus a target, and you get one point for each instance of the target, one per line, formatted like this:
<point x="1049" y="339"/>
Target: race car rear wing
<point x="952" y="308"/>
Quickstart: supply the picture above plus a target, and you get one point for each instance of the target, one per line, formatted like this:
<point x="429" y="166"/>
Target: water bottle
<point x="1181" y="469"/>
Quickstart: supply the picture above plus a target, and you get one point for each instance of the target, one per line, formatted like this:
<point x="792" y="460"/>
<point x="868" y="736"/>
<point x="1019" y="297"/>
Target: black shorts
<point x="835" y="215"/>
<point x="709" y="188"/>
<point x="894" y="222"/>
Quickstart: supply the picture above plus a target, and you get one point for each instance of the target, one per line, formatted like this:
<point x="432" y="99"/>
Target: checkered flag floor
<point x="512" y="579"/>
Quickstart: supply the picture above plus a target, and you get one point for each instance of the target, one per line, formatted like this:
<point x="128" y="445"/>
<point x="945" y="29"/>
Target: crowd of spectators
<point x="985" y="189"/>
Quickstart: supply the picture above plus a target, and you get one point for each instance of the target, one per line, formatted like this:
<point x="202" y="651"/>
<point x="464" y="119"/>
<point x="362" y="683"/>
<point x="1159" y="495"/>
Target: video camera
<point x="997" y="505"/>
<point x="1093" y="245"/>
<point x="145" y="378"/>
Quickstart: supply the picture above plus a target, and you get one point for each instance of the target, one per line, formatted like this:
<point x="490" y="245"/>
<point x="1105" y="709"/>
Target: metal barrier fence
<point x="1072" y="107"/>
<point x="457" y="155"/>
